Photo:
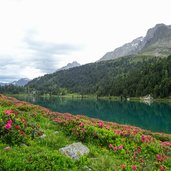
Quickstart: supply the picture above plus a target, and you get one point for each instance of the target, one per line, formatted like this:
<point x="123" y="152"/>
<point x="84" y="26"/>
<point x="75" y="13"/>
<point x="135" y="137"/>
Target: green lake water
<point x="155" y="116"/>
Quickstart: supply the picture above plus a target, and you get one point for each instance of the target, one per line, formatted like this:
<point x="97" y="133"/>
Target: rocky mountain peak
<point x="70" y="65"/>
<point x="159" y="35"/>
<point x="159" y="31"/>
<point x="21" y="82"/>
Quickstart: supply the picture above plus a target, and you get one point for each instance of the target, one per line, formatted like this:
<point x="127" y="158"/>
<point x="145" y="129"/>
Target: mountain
<point x="137" y="73"/>
<point x="70" y="65"/>
<point x="123" y="76"/>
<point x="157" y="42"/>
<point x="3" y="84"/>
<point x="21" y="82"/>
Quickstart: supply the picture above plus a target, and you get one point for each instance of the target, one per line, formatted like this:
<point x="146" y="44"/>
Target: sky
<point x="40" y="36"/>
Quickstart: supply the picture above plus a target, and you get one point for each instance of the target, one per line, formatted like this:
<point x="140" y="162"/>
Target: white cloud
<point x="90" y="28"/>
<point x="31" y="72"/>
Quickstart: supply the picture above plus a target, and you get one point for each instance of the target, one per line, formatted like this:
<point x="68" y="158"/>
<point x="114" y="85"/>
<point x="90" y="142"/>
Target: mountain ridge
<point x="156" y="42"/>
<point x="144" y="71"/>
<point x="20" y="82"/>
<point x="70" y="65"/>
<point x="126" y="76"/>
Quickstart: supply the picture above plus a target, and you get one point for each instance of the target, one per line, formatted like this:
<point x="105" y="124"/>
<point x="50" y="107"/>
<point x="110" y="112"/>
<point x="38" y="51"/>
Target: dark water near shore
<point x="155" y="117"/>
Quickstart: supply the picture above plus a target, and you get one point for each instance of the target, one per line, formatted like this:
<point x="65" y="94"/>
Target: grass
<point x="64" y="129"/>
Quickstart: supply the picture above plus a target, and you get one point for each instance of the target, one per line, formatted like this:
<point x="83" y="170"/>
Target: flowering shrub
<point x="15" y="128"/>
<point x="135" y="148"/>
<point x="138" y="147"/>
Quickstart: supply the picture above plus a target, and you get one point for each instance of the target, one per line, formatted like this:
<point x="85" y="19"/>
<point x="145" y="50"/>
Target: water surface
<point x="155" y="117"/>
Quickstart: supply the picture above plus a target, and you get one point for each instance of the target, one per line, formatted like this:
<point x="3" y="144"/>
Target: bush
<point x="15" y="128"/>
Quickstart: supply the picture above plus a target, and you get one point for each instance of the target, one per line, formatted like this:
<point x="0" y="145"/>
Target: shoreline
<point x="112" y="145"/>
<point x="112" y="98"/>
<point x="87" y="98"/>
<point x="85" y="117"/>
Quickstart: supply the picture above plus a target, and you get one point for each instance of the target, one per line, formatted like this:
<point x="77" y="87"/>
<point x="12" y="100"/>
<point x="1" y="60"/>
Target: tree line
<point x="127" y="76"/>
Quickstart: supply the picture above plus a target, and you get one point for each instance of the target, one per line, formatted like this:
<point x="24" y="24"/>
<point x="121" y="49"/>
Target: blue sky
<point x="40" y="36"/>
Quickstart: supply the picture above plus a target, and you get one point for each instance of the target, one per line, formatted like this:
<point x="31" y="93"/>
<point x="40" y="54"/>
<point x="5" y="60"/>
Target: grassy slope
<point x="43" y="154"/>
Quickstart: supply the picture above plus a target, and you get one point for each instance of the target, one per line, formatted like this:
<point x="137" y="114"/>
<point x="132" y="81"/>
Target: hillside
<point x="157" y="42"/>
<point x="32" y="136"/>
<point x="128" y="76"/>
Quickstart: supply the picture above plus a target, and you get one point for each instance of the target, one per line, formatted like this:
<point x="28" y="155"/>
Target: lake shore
<point x="131" y="148"/>
<point x="115" y="98"/>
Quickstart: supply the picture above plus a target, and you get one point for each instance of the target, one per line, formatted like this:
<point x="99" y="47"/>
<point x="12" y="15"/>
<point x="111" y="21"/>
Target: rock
<point x="43" y="136"/>
<point x="23" y="145"/>
<point x="75" y="150"/>
<point x="7" y="148"/>
<point x="88" y="168"/>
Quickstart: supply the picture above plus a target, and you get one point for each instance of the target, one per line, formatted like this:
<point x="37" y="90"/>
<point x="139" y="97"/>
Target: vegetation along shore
<point x="33" y="135"/>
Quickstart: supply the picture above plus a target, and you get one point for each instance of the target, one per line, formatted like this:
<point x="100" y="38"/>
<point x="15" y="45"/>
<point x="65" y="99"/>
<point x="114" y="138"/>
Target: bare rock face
<point x="75" y="150"/>
<point x="125" y="50"/>
<point x="70" y="65"/>
<point x="157" y="39"/>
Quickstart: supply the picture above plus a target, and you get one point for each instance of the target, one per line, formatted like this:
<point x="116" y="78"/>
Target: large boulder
<point x="75" y="150"/>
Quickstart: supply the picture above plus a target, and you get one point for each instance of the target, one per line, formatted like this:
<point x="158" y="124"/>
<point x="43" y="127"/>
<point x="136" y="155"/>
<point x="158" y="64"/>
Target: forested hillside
<point x="127" y="76"/>
<point x="12" y="89"/>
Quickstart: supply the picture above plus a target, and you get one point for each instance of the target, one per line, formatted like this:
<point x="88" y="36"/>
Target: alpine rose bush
<point x="15" y="128"/>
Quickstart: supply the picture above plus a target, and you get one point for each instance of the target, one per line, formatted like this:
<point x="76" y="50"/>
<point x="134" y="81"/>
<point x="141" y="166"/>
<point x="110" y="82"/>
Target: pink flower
<point x="160" y="157"/>
<point x="135" y="152"/>
<point x="166" y="143"/>
<point x="82" y="124"/>
<point x="123" y="166"/>
<point x="141" y="160"/>
<point x="101" y="124"/>
<point x="120" y="147"/>
<point x="134" y="167"/>
<point x="9" y="122"/>
<point x="110" y="145"/>
<point x="115" y="148"/>
<point x="17" y="127"/>
<point x="8" y="112"/>
<point x="8" y="126"/>
<point x="162" y="168"/>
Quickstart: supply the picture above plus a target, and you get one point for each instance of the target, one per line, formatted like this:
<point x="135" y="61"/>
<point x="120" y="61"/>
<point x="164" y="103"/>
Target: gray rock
<point x="7" y="148"/>
<point x="23" y="145"/>
<point x="88" y="168"/>
<point x="43" y="136"/>
<point x="75" y="150"/>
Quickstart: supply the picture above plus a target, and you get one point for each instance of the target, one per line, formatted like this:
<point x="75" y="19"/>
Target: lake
<point x="155" y="117"/>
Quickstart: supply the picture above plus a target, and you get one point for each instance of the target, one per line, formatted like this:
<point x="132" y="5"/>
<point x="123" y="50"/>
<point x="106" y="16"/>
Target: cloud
<point x="49" y="48"/>
<point x="9" y="71"/>
<point x="33" y="58"/>
<point x="46" y="56"/>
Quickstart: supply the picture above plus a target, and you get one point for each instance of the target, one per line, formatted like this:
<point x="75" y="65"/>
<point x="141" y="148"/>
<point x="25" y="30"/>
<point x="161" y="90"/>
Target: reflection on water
<point x="155" y="117"/>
